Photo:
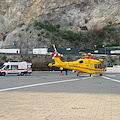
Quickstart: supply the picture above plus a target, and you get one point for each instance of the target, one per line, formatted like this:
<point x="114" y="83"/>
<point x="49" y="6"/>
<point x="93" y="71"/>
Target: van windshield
<point x="2" y="66"/>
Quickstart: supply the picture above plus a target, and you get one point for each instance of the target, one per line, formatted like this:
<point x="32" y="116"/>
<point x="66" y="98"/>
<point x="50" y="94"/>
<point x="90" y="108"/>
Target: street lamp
<point x="104" y="48"/>
<point x="94" y="46"/>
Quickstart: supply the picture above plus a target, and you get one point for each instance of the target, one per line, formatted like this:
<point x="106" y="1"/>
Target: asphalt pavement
<point x="46" y="96"/>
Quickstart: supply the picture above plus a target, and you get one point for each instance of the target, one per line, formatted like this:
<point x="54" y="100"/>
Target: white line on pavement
<point x="87" y="77"/>
<point x="39" y="84"/>
<point x="111" y="79"/>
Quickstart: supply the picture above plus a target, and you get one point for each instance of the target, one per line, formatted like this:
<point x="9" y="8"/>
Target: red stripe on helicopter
<point x="86" y="68"/>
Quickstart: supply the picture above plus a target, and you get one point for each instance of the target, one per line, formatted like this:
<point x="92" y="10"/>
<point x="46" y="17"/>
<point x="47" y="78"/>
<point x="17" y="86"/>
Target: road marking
<point x="111" y="79"/>
<point x="39" y="84"/>
<point x="111" y="75"/>
<point x="86" y="78"/>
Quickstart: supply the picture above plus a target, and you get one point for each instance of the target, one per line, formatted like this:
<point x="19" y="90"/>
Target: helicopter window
<point x="91" y="65"/>
<point x="87" y="65"/>
<point x="96" y="66"/>
<point x="101" y="66"/>
<point x="81" y="61"/>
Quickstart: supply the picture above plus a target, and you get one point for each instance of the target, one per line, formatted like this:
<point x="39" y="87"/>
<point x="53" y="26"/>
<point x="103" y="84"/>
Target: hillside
<point x="94" y="21"/>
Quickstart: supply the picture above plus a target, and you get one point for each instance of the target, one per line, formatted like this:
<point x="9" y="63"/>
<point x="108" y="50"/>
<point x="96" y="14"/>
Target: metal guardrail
<point x="100" y="51"/>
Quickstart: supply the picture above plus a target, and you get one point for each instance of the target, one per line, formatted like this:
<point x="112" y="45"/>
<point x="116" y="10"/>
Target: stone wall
<point x="114" y="69"/>
<point x="70" y="14"/>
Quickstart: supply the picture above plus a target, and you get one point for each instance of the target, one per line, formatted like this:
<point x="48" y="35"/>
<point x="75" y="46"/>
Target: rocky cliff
<point x="76" y="15"/>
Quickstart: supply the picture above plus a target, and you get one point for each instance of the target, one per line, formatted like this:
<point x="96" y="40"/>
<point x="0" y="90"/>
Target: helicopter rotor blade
<point x="60" y="55"/>
<point x="55" y="48"/>
<point x="56" y="52"/>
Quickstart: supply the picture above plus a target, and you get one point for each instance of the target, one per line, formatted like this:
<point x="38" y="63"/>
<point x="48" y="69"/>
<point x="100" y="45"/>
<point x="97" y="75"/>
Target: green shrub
<point x="39" y="39"/>
<point x="86" y="21"/>
<point x="42" y="32"/>
<point x="36" y="23"/>
<point x="94" y="37"/>
<point x="4" y="58"/>
<point x="4" y="37"/>
<point x="46" y="63"/>
<point x="38" y="34"/>
<point x="47" y="35"/>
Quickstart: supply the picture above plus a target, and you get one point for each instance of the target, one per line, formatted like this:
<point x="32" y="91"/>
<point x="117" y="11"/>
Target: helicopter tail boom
<point x="56" y="58"/>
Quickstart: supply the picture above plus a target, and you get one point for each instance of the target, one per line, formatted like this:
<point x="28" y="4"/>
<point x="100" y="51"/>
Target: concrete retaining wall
<point x="114" y="69"/>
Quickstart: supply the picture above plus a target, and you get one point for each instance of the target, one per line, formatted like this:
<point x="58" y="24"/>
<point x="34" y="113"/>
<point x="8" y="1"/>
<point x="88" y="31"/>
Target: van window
<point x="6" y="67"/>
<point x="14" y="66"/>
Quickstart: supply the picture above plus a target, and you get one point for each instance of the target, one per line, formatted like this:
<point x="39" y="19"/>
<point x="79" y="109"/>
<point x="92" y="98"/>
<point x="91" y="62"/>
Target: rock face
<point x="75" y="15"/>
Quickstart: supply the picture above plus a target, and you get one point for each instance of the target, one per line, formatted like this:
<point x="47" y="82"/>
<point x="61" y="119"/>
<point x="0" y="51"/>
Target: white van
<point x="19" y="68"/>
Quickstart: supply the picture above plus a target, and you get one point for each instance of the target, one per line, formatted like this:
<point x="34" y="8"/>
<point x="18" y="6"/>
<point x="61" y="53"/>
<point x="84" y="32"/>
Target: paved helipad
<point x="46" y="96"/>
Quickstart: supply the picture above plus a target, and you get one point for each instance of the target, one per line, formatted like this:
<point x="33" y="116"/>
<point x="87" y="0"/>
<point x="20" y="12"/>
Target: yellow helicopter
<point x="86" y="64"/>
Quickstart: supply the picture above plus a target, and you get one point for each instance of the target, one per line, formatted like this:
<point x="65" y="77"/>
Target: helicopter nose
<point x="105" y="69"/>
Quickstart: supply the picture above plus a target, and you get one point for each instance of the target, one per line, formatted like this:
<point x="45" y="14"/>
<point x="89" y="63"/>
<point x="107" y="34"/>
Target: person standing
<point x="61" y="69"/>
<point x="66" y="71"/>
